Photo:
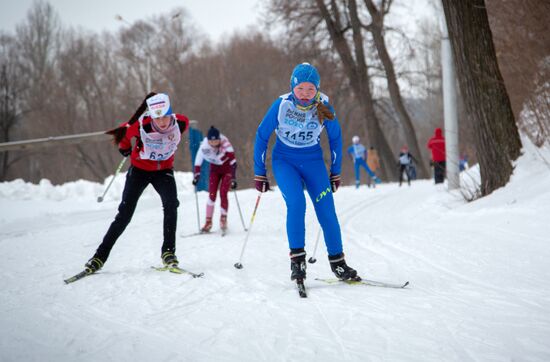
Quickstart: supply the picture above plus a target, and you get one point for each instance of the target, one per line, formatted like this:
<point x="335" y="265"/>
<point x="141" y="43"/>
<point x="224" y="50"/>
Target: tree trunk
<point x="487" y="104"/>
<point x="395" y="94"/>
<point x="360" y="83"/>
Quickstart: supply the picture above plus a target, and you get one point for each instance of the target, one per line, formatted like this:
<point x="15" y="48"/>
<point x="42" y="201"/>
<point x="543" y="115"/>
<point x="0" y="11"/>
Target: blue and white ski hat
<point x="305" y="72"/>
<point x="159" y="105"/>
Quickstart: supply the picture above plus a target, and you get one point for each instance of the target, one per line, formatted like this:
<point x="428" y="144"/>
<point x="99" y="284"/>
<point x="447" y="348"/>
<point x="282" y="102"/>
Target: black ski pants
<point x="136" y="181"/>
<point x="439" y="172"/>
<point x="404" y="169"/>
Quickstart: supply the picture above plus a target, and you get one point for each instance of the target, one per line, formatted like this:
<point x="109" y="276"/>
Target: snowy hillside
<point x="478" y="277"/>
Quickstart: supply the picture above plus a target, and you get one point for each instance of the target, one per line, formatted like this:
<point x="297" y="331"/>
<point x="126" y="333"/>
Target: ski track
<point x="129" y="311"/>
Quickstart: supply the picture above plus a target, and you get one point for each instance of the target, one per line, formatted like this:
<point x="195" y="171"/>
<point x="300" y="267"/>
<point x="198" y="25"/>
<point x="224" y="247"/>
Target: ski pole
<point x="312" y="260"/>
<point x="100" y="198"/>
<point x="239" y="264"/>
<point x="197" y="206"/>
<point x="239" y="207"/>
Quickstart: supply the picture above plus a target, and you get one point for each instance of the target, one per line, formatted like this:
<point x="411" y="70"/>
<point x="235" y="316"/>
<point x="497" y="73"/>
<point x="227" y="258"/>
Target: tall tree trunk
<point x="488" y="106"/>
<point x="376" y="29"/>
<point x="360" y="83"/>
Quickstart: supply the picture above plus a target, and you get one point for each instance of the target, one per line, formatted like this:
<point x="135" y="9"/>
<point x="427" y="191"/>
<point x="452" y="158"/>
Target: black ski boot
<point x="93" y="265"/>
<point x="169" y="259"/>
<point x="341" y="269"/>
<point x="297" y="264"/>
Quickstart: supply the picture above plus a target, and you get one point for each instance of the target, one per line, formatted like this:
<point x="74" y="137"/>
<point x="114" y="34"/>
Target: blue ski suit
<point x="359" y="153"/>
<point x="297" y="160"/>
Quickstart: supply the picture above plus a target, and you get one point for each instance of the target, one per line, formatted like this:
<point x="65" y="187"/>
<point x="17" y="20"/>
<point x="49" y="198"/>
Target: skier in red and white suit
<point x="216" y="149"/>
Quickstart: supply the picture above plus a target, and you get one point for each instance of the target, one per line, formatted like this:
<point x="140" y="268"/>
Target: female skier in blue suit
<point x="298" y="118"/>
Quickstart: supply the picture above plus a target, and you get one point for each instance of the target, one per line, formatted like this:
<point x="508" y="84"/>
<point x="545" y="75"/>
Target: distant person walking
<point x="373" y="161"/>
<point x="437" y="145"/>
<point x="358" y="154"/>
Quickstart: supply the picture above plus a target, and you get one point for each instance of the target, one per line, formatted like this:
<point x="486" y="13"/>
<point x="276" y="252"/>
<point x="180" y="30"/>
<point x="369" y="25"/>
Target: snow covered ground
<point x="478" y="277"/>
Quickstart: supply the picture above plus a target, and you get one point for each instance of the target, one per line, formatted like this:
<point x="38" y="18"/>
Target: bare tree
<point x="310" y="21"/>
<point x="10" y="109"/>
<point x="522" y="44"/>
<point x="487" y="103"/>
<point x="376" y="28"/>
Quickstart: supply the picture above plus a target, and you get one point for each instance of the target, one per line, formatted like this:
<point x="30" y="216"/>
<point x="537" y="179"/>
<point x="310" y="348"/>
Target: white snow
<point x="478" y="277"/>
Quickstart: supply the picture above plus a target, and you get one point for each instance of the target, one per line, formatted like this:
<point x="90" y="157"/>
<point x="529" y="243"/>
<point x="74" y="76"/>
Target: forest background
<point x="57" y="80"/>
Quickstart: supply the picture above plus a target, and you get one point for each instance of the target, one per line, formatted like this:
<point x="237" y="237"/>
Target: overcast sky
<point x="215" y="17"/>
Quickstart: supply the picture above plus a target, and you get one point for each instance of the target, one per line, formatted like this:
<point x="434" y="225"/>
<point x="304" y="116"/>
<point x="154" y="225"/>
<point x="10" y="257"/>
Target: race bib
<point x="359" y="151"/>
<point x="404" y="159"/>
<point x="298" y="128"/>
<point x="159" y="146"/>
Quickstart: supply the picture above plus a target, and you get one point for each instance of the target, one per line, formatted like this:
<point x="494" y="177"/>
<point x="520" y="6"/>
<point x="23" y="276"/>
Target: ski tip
<point x="404" y="285"/>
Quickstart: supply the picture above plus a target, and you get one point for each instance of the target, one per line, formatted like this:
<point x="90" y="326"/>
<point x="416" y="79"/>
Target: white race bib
<point x="359" y="151"/>
<point x="159" y="146"/>
<point x="404" y="159"/>
<point x="298" y="128"/>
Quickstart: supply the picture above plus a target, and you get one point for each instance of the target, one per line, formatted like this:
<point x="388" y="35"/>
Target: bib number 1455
<point x="302" y="135"/>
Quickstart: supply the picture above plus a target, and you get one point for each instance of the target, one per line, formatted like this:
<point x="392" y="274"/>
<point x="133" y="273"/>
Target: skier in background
<point x="437" y="145"/>
<point x="298" y="118"/>
<point x="463" y="162"/>
<point x="216" y="149"/>
<point x="157" y="133"/>
<point x="373" y="161"/>
<point x="405" y="164"/>
<point x="358" y="154"/>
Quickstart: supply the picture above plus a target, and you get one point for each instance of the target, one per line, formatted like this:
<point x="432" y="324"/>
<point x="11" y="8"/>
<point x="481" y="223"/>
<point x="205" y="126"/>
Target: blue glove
<point x="377" y="180"/>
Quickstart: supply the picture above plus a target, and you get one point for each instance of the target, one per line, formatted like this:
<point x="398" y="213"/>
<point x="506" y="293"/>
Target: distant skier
<point x="157" y="133"/>
<point x="298" y="118"/>
<point x="373" y="161"/>
<point x="463" y="162"/>
<point x="216" y="149"/>
<point x="405" y="163"/>
<point x="358" y="154"/>
<point x="437" y="145"/>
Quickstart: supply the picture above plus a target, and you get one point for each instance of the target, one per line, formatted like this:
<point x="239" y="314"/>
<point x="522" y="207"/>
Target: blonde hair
<point x="323" y="112"/>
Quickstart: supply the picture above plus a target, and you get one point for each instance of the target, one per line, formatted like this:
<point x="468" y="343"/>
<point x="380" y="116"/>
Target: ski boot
<point x="341" y="269"/>
<point x="298" y="264"/>
<point x="169" y="259"/>
<point x="207" y="225"/>
<point x="93" y="265"/>
<point x="223" y="223"/>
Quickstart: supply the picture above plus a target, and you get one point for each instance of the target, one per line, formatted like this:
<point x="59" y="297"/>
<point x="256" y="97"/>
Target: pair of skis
<point x="177" y="270"/>
<point x="223" y="233"/>
<point x="302" y="292"/>
<point x="172" y="269"/>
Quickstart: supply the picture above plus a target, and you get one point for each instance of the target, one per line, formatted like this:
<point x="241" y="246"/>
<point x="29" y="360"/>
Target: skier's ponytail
<point x="323" y="112"/>
<point x="119" y="132"/>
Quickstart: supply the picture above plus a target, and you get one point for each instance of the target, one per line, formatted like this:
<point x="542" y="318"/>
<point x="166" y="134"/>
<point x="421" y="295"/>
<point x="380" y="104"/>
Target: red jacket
<point x="437" y="145"/>
<point x="133" y="131"/>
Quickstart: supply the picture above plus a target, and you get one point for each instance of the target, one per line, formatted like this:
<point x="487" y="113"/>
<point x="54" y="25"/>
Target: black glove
<point x="126" y="152"/>
<point x="233" y="184"/>
<point x="196" y="178"/>
<point x="334" y="182"/>
<point x="261" y="183"/>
